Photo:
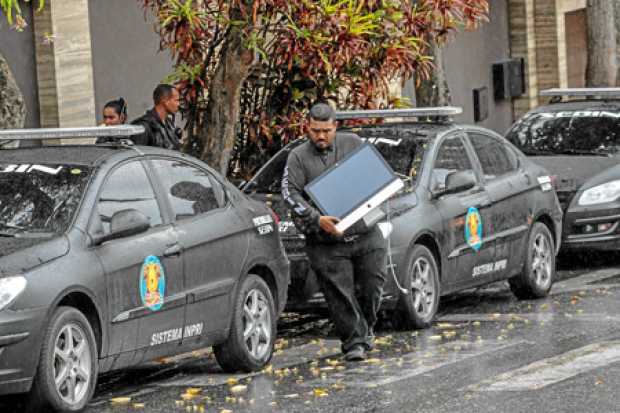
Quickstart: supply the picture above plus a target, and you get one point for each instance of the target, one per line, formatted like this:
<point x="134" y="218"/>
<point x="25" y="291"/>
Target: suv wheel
<point x="249" y="346"/>
<point x="417" y="308"/>
<point x="537" y="277"/>
<point x="67" y="374"/>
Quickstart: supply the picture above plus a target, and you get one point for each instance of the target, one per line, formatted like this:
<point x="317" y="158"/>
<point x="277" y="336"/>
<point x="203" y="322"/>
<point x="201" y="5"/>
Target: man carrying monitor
<point x="349" y="265"/>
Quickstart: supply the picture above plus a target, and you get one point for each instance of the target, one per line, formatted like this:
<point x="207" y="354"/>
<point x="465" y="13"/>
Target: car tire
<point x="68" y="349"/>
<point x="537" y="277"/>
<point x="417" y="308"/>
<point x="249" y="346"/>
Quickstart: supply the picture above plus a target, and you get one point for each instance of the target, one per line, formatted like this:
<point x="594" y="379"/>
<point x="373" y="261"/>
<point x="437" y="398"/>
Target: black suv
<point x="578" y="141"/>
<point x="113" y="255"/>
<point x="474" y="210"/>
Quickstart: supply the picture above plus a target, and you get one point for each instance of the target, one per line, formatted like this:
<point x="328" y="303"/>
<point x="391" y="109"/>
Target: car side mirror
<point x="456" y="182"/>
<point x="125" y="223"/>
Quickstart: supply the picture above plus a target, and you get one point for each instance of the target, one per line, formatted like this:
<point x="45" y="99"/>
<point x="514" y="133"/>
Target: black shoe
<point x="355" y="353"/>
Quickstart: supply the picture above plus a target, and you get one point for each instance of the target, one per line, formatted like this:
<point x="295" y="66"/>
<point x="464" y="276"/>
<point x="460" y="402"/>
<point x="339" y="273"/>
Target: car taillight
<point x="275" y="217"/>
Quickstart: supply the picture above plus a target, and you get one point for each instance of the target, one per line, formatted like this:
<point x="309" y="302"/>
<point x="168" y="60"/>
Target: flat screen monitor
<point x="354" y="186"/>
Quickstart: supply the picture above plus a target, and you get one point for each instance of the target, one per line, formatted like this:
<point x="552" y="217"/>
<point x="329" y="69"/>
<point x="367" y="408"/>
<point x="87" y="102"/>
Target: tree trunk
<point x="12" y="106"/>
<point x="218" y="126"/>
<point x="434" y="91"/>
<point x="602" y="66"/>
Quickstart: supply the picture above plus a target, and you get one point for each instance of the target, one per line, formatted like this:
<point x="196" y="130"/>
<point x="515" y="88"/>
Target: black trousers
<point x="351" y="275"/>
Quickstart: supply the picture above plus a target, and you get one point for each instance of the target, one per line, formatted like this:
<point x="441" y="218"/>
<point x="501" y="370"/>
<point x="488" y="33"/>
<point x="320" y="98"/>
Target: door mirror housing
<point x="456" y="182"/>
<point x="125" y="223"/>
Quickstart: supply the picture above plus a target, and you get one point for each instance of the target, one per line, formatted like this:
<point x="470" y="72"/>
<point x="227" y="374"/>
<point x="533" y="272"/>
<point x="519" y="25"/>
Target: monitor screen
<point x="351" y="182"/>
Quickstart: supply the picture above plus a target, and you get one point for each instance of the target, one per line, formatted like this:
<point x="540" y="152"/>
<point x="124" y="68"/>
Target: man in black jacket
<point x="349" y="266"/>
<point x="159" y="122"/>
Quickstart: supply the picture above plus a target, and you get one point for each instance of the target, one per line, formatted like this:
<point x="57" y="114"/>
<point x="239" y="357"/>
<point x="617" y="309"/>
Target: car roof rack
<point x="121" y="131"/>
<point x="442" y="111"/>
<point x="557" y="94"/>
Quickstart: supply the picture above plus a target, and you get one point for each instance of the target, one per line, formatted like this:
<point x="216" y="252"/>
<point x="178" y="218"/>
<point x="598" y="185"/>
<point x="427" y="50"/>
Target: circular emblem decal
<point x="152" y="283"/>
<point x="473" y="229"/>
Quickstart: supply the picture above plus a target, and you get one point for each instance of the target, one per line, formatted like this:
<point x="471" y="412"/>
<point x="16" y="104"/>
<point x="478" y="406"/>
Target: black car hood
<point x="574" y="171"/>
<point x="18" y="255"/>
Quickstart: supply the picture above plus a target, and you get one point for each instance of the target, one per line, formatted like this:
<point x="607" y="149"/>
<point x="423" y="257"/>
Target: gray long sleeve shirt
<point x="305" y="163"/>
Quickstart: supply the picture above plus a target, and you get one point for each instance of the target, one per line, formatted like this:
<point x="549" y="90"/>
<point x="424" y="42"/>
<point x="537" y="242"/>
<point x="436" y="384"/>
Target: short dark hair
<point x="161" y="92"/>
<point x="119" y="106"/>
<point x="322" y="112"/>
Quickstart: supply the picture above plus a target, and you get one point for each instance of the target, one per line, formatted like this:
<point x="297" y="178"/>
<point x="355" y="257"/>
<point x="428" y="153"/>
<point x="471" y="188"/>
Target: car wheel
<point x="537" y="277"/>
<point x="67" y="374"/>
<point x="417" y="307"/>
<point x="249" y="346"/>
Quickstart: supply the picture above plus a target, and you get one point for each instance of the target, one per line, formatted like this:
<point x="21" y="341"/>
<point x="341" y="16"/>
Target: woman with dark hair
<point x="114" y="114"/>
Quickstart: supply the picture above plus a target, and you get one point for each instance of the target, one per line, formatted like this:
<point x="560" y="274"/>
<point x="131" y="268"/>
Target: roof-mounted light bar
<point x="399" y="113"/>
<point x="581" y="92"/>
<point x="120" y="131"/>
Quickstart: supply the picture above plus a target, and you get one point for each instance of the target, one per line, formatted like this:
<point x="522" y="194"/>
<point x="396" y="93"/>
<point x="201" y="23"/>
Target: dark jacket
<point x="305" y="163"/>
<point x="157" y="133"/>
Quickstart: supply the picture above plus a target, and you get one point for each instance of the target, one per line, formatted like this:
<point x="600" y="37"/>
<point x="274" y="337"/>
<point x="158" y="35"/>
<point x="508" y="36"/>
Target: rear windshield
<point x="590" y="132"/>
<point x="40" y="198"/>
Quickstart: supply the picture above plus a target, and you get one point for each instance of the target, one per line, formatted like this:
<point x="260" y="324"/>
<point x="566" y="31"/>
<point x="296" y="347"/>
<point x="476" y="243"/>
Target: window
<point x="495" y="158"/>
<point x="128" y="187"/>
<point x="190" y="190"/>
<point x="451" y="157"/>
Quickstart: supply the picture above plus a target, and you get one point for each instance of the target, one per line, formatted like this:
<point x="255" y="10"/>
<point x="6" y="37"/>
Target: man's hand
<point x="328" y="224"/>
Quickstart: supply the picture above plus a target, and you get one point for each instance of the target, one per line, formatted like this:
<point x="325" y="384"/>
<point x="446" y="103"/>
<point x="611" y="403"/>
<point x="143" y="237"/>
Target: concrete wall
<point x="17" y="48"/>
<point x="469" y="58"/>
<point x="126" y="57"/>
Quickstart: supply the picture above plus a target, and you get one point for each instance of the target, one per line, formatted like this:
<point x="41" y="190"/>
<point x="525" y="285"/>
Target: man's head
<point x="167" y="97"/>
<point x="322" y="125"/>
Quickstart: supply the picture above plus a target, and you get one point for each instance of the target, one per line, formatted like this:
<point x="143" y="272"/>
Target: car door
<point x="466" y="216"/>
<point x="507" y="185"/>
<point x="144" y="277"/>
<point x="214" y="240"/>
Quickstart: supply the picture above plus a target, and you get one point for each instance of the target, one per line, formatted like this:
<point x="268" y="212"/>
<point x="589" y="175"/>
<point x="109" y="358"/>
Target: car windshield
<point x="404" y="155"/>
<point x="40" y="198"/>
<point x="588" y="132"/>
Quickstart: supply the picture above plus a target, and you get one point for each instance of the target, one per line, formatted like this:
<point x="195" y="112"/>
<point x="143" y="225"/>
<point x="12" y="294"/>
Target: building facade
<point x="76" y="55"/>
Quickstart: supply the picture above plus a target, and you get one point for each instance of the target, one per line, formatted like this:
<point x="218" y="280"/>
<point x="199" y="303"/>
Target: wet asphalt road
<point x="487" y="352"/>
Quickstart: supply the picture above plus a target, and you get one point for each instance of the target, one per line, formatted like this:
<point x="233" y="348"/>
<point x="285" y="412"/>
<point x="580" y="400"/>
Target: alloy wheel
<point x="257" y="324"/>
<point x="542" y="261"/>
<point x="72" y="364"/>
<point x="423" y="287"/>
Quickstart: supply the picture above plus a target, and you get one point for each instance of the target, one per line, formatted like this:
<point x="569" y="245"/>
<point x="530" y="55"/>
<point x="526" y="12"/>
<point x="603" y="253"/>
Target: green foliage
<point x="11" y="8"/>
<point x="346" y="51"/>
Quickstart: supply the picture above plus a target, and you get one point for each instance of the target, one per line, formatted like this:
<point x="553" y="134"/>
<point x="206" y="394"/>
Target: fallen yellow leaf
<point x="240" y="388"/>
<point x="435" y="338"/>
<point x="373" y="361"/>
<point x="193" y="390"/>
<point x="231" y="381"/>
<point x="138" y="405"/>
<point x="120" y="400"/>
<point x="320" y="392"/>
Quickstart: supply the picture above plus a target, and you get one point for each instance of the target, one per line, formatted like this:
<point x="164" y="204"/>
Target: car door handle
<point x="173" y="251"/>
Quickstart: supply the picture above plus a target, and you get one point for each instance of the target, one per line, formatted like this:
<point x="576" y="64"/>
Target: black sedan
<point x="113" y="255"/>
<point x="578" y="141"/>
<point x="474" y="210"/>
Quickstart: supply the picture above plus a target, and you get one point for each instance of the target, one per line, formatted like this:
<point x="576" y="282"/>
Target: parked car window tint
<point x="451" y="157"/>
<point x="582" y="132"/>
<point x="495" y="158"/>
<point x="40" y="198"/>
<point x="189" y="189"/>
<point x="128" y="187"/>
